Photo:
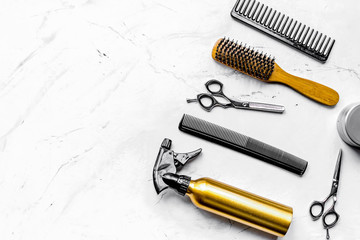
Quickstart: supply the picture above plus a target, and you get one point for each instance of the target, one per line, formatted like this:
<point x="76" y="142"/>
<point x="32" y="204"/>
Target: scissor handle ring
<point x="214" y="82"/>
<point x="321" y="205"/>
<point x="213" y="103"/>
<point x="330" y="212"/>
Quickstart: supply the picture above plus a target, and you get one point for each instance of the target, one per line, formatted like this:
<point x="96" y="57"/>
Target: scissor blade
<point x="265" y="107"/>
<point x="338" y="167"/>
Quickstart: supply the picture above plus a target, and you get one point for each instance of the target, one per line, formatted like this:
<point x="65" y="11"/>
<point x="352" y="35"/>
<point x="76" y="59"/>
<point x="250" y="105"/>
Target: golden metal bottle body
<point x="240" y="206"/>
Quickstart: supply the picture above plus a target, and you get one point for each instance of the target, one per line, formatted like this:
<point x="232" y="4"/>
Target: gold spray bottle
<point x="217" y="197"/>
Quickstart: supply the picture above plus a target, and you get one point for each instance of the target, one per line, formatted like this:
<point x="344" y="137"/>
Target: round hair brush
<point x="264" y="68"/>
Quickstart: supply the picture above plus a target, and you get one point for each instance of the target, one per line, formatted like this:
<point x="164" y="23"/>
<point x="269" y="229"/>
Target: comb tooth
<point x="262" y="15"/>
<point x="238" y="8"/>
<point x="313" y="39"/>
<point x="271" y="19"/>
<point x="253" y="13"/>
<point x="308" y="39"/>
<point x="327" y="50"/>
<point x="265" y="21"/>
<point x="250" y="8"/>
<point x="283" y="26"/>
<point x="322" y="42"/>
<point x="257" y="15"/>
<point x="317" y="41"/>
<point x="326" y="44"/>
<point x="301" y="32"/>
<point x="297" y="30"/>
<point x="279" y="24"/>
<point x="303" y="38"/>
<point x="287" y="28"/>
<point x="246" y="6"/>
<point x="292" y="29"/>
<point x="275" y="21"/>
<point x="331" y="46"/>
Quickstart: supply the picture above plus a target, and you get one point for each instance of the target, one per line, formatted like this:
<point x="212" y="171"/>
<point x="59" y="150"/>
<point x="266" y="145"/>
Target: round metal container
<point x="348" y="124"/>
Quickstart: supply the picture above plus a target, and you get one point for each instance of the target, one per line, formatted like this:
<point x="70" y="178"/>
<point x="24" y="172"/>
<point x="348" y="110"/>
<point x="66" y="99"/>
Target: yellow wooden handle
<point x="310" y="89"/>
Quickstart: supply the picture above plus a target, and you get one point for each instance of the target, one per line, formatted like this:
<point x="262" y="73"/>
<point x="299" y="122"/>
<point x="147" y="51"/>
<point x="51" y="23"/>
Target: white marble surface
<point x="89" y="89"/>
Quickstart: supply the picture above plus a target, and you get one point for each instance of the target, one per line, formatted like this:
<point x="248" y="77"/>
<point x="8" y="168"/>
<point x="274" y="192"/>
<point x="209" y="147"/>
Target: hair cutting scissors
<point x="235" y="104"/>
<point x="330" y="214"/>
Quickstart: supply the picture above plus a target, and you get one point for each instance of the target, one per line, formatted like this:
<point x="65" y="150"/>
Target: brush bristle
<point x="243" y="59"/>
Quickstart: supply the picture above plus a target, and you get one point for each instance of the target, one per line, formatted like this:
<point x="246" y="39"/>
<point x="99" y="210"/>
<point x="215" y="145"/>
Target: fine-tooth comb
<point x="242" y="143"/>
<point x="283" y="28"/>
<point x="264" y="68"/>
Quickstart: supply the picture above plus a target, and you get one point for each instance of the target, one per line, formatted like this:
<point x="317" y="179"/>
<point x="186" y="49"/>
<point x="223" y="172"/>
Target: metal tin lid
<point x="348" y="124"/>
<point x="353" y="124"/>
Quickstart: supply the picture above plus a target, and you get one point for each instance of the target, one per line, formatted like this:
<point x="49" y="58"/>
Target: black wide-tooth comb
<point x="283" y="28"/>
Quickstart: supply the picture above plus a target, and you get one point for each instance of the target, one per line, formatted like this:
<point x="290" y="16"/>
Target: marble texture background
<point x="89" y="89"/>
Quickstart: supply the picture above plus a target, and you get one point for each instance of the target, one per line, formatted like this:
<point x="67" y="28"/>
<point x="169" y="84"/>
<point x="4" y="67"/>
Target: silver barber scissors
<point x="330" y="214"/>
<point x="235" y="104"/>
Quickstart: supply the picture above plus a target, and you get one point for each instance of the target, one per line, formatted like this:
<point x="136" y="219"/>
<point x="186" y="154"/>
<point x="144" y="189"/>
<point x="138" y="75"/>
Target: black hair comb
<point x="283" y="28"/>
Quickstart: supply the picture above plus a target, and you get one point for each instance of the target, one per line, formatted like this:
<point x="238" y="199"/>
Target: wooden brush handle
<point x="310" y="89"/>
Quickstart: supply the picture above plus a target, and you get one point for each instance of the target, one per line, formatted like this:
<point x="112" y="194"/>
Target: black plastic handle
<point x="207" y="107"/>
<point x="317" y="204"/>
<point x="214" y="82"/>
<point x="330" y="212"/>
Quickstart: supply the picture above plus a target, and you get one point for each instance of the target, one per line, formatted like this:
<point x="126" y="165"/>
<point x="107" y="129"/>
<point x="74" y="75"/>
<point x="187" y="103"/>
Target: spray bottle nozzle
<point x="170" y="162"/>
